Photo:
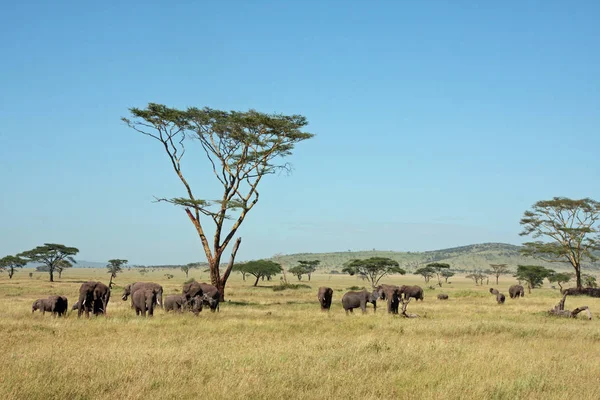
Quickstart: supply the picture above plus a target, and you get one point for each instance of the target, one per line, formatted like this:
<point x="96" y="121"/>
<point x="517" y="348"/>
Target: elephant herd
<point x="394" y="295"/>
<point x="94" y="297"/>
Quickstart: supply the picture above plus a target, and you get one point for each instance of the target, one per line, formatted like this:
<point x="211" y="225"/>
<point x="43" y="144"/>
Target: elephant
<point x="175" y="302"/>
<point x="392" y="294"/>
<point x="57" y="305"/>
<point x="93" y="296"/>
<point x="442" y="296"/>
<point x="516" y="291"/>
<point x="129" y="290"/>
<point x="352" y="300"/>
<point x="324" y="295"/>
<point x="144" y="300"/>
<point x="500" y="298"/>
<point x="194" y="289"/>
<point x="197" y="303"/>
<point x="412" y="291"/>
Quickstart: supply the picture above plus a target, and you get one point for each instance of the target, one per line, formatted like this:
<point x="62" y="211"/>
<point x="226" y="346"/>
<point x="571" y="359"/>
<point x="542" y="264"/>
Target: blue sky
<point x="437" y="123"/>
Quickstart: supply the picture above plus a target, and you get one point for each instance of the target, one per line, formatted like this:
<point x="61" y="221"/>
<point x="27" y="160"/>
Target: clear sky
<point x="437" y="123"/>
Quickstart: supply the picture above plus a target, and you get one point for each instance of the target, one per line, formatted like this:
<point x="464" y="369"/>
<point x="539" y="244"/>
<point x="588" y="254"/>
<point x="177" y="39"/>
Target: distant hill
<point x="464" y="258"/>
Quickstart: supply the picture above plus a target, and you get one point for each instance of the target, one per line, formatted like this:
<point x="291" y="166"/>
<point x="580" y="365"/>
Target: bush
<point x="355" y="288"/>
<point x="294" y="286"/>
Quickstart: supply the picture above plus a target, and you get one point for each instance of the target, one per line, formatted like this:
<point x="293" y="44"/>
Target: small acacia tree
<point x="589" y="280"/>
<point x="11" y="263"/>
<point x="438" y="268"/>
<point x="533" y="275"/>
<point x="478" y="276"/>
<point x="309" y="266"/>
<point x="447" y="274"/>
<point x="559" y="278"/>
<point x="186" y="268"/>
<point x="426" y="272"/>
<point x="241" y="147"/>
<point x="373" y="268"/>
<point x="498" y="269"/>
<point x="61" y="266"/>
<point x="50" y="254"/>
<point x="114" y="267"/>
<point x="571" y="226"/>
<point x="259" y="269"/>
<point x="297" y="271"/>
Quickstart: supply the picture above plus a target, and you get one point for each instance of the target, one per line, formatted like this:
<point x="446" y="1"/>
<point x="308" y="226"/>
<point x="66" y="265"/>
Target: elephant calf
<point x="352" y="300"/>
<point x="442" y="296"/>
<point x="500" y="298"/>
<point x="325" y="294"/>
<point x="412" y="291"/>
<point x="175" y="302"/>
<point x="57" y="305"/>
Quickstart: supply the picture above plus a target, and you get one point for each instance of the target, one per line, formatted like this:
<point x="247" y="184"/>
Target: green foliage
<point x="259" y="269"/>
<point x="425" y="272"/>
<point x="169" y="276"/>
<point x="50" y="254"/>
<point x="447" y="274"/>
<point x="589" y="281"/>
<point x="189" y="281"/>
<point x="304" y="268"/>
<point x="478" y="276"/>
<point x="569" y="225"/>
<point x="533" y="274"/>
<point x="438" y="268"/>
<point x="373" y="268"/>
<point x="115" y="266"/>
<point x="186" y="268"/>
<point x="10" y="263"/>
<point x="560" y="278"/>
<point x="498" y="269"/>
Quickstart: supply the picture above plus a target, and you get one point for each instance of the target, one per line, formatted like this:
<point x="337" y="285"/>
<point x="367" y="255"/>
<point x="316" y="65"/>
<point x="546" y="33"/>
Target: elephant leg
<point x="363" y="307"/>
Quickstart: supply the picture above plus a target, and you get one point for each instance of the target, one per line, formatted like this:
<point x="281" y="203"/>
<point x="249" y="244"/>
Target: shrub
<point x="285" y="286"/>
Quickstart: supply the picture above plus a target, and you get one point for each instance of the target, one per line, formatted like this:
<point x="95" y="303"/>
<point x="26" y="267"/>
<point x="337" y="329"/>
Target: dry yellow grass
<point x="270" y="345"/>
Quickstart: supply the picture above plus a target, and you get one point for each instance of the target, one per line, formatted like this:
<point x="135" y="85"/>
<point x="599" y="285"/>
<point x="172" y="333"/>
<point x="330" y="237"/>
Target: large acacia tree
<point x="373" y="268"/>
<point x="10" y="263"/>
<point x="571" y="226"/>
<point x="51" y="255"/>
<point x="242" y="148"/>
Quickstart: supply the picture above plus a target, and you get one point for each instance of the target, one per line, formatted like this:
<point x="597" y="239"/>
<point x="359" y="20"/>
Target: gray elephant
<point x="325" y="294"/>
<point x="414" y="291"/>
<point x="175" y="302"/>
<point x="194" y="289"/>
<point x="93" y="296"/>
<point x="500" y="298"/>
<point x="129" y="290"/>
<point x="144" y="300"/>
<point x="442" y="296"/>
<point x="352" y="300"/>
<point x="392" y="295"/>
<point x="516" y="291"/>
<point x="196" y="303"/>
<point x="57" y="305"/>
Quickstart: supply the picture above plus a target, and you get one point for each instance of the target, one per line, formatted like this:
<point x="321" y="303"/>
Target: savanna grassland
<point x="267" y="344"/>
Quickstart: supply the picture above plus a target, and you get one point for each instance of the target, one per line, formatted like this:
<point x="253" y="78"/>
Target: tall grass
<point x="267" y="344"/>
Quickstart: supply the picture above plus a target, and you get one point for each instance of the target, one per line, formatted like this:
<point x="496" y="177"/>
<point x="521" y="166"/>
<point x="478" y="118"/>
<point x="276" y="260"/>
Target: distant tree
<point x="186" y="268"/>
<point x="438" y="268"/>
<point x="42" y="268"/>
<point x="559" y="278"/>
<point x="169" y="276"/>
<point x="533" y="275"/>
<point x="242" y="148"/>
<point x="10" y="263"/>
<point x="143" y="271"/>
<point x="309" y="266"/>
<point x="571" y="226"/>
<point x="61" y="266"/>
<point x="478" y="276"/>
<point x="447" y="274"/>
<point x="373" y="268"/>
<point x="297" y="271"/>
<point x="425" y="272"/>
<point x="498" y="269"/>
<point x="50" y="254"/>
<point x="259" y="269"/>
<point x="589" y="281"/>
<point x="114" y="267"/>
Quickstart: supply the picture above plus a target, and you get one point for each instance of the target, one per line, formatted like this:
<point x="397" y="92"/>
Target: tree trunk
<point x="60" y="274"/>
<point x="186" y="274"/>
<point x="528" y="288"/>
<point x="51" y="272"/>
<point x="309" y="277"/>
<point x="256" y="281"/>
<point x="578" y="277"/>
<point x="496" y="280"/>
<point x="222" y="281"/>
<point x="10" y="273"/>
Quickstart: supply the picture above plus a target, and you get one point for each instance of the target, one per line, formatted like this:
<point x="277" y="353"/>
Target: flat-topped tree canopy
<point x="373" y="268"/>
<point x="50" y="254"/>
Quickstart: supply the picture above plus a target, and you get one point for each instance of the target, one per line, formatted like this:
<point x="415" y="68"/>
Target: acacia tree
<point x="571" y="226"/>
<point x="559" y="278"/>
<point x="259" y="269"/>
<point x="297" y="271"/>
<point x="242" y="148"/>
<point x="478" y="276"/>
<point x="589" y="280"/>
<point x="373" y="268"/>
<point x="186" y="268"/>
<point x="533" y="275"/>
<point x="438" y="268"/>
<point x="447" y="274"/>
<point x="10" y="263"/>
<point x="61" y="266"/>
<point x="50" y="254"/>
<point x="114" y="267"/>
<point x="309" y="266"/>
<point x="498" y="269"/>
<point x="425" y="272"/>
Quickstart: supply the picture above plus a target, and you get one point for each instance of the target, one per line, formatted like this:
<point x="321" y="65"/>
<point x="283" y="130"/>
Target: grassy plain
<point x="270" y="345"/>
